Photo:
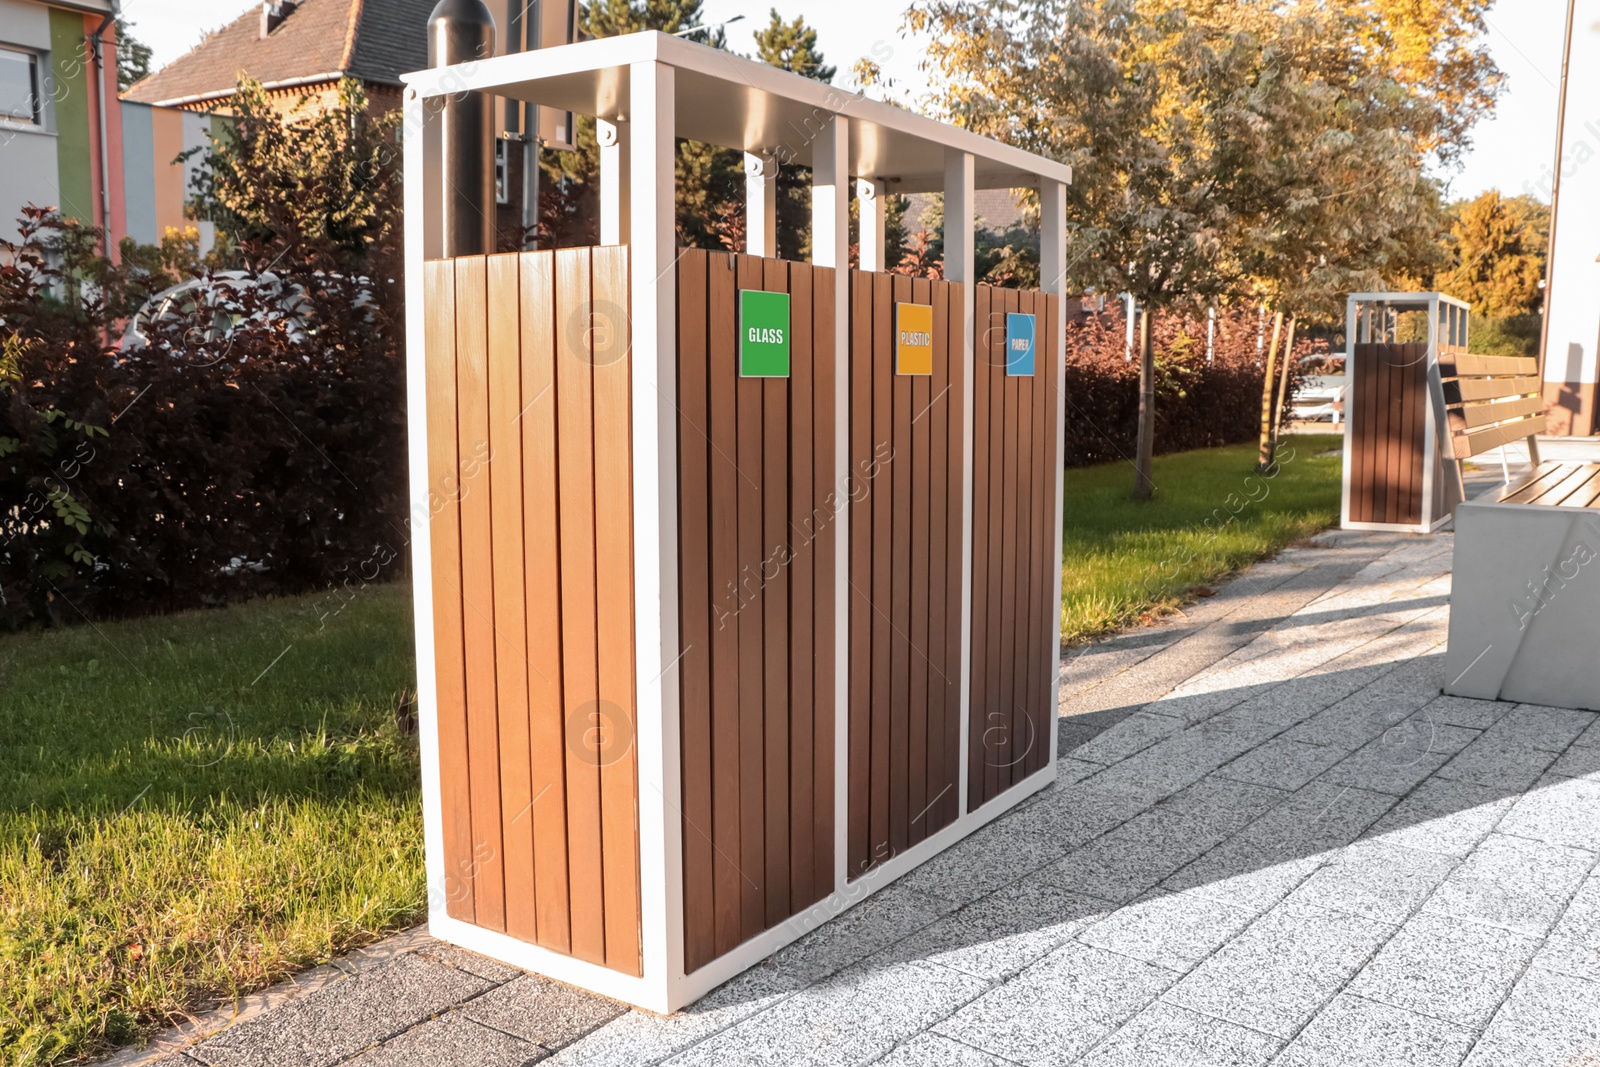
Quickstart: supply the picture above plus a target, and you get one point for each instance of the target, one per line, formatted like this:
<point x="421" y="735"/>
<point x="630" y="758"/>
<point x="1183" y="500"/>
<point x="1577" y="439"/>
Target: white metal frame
<point x="646" y="89"/>
<point x="1446" y="315"/>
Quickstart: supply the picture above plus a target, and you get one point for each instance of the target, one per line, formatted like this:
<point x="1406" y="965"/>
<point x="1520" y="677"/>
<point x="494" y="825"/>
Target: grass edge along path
<point x="1126" y="563"/>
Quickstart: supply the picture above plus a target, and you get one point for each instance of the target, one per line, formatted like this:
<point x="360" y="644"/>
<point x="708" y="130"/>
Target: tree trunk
<point x="1264" y="452"/>
<point x="1283" y="389"/>
<point x="1143" y="485"/>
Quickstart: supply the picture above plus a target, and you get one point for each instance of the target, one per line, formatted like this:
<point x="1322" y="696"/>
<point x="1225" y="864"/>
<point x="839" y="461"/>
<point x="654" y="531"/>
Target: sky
<point x="1513" y="150"/>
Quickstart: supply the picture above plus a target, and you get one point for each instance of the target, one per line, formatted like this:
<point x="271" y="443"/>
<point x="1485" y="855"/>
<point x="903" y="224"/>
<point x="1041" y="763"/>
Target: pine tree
<point x="792" y="46"/>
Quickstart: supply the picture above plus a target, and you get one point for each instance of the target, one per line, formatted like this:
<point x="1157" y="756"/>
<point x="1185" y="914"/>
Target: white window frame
<point x="36" y="93"/>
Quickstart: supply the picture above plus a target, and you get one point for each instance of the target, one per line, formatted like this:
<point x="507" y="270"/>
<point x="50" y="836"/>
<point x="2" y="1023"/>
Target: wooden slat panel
<point x="1559" y="493"/>
<point x="954" y="319"/>
<point x="695" y="589"/>
<point x="827" y="365"/>
<point x="881" y="590"/>
<point x="981" y="479"/>
<point x="1049" y="581"/>
<point x="1455" y="364"/>
<point x="1363" y="415"/>
<point x="510" y="589"/>
<point x="993" y="710"/>
<point x="477" y="591"/>
<point x="1465" y="390"/>
<point x="1534" y="483"/>
<point x="1587" y="496"/>
<point x="542" y="568"/>
<point x="1392" y="437"/>
<point x="1030" y="656"/>
<point x="802" y="594"/>
<point x="752" y="754"/>
<point x="1473" y="444"/>
<point x="859" y="364"/>
<point x="444" y="491"/>
<point x="1411" y="434"/>
<point x="1472" y="416"/>
<point x="899" y="473"/>
<point x="579" y="625"/>
<point x="1004" y="708"/>
<point x="728" y="591"/>
<point x="937" y="417"/>
<point x="917" y="517"/>
<point x="613" y="484"/>
<point x="775" y="603"/>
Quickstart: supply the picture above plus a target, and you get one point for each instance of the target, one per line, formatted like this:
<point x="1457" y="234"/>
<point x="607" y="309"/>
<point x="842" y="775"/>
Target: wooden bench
<point x="1526" y="574"/>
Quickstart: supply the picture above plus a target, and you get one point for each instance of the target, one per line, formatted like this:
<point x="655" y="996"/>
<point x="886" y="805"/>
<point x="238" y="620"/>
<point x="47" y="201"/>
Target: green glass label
<point x="763" y="334"/>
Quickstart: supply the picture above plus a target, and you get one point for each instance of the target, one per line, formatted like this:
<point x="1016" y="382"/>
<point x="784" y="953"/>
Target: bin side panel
<point x="1389" y="394"/>
<point x="529" y="413"/>
<point x="753" y="513"/>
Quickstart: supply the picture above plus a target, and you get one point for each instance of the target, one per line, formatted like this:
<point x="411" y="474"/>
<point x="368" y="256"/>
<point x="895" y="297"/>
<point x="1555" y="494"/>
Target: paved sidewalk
<point x="1273" y="842"/>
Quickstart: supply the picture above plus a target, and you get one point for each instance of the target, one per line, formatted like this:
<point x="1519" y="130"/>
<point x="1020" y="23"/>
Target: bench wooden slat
<point x="1586" y="497"/>
<point x="1472" y="416"/>
<point x="1534" y="483"/>
<point x="1558" y="493"/>
<point x="1465" y="365"/>
<point x="1466" y="390"/>
<point x="1467" y="445"/>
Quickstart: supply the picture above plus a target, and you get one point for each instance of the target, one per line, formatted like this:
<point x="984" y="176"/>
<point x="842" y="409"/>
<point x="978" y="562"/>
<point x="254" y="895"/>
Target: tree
<point x="318" y="186"/>
<point x="133" y="57"/>
<point x="792" y="46"/>
<point x="1497" y="246"/>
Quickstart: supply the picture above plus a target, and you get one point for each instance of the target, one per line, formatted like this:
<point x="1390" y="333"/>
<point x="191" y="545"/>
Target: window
<point x="502" y="195"/>
<point x="19" y="87"/>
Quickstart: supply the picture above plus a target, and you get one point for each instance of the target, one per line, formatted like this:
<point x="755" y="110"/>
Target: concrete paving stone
<point x="1590" y="738"/>
<point x="1513" y="883"/>
<point x="1058" y="1008"/>
<point x="452" y="1038"/>
<point x="1167" y="1034"/>
<point x="1186" y="757"/>
<point x="1399" y="759"/>
<point x="338" y="1021"/>
<point x="1281" y="764"/>
<point x="1561" y="811"/>
<point x="542" y="1011"/>
<point x="1550" y="1020"/>
<point x="1001" y="934"/>
<point x="1443" y="816"/>
<point x="1550" y="729"/>
<point x="1137" y="855"/>
<point x="1225" y="805"/>
<point x="1467" y="712"/>
<point x="1352" y="1030"/>
<point x="1071" y="769"/>
<point x="1134" y="734"/>
<point x="1377" y="881"/>
<point x="936" y="1050"/>
<point x="638" y="1038"/>
<point x="1171" y="930"/>
<point x="1444" y="967"/>
<point x="1569" y="956"/>
<point x="1074" y="733"/>
<point x="1574" y="943"/>
<point x="1277" y="974"/>
<point x="471" y="962"/>
<point x="854" y="1017"/>
<point x="1493" y="761"/>
<point x="888" y="916"/>
<point x="1265" y="861"/>
<point x="1360" y="718"/>
<point x="1579" y="761"/>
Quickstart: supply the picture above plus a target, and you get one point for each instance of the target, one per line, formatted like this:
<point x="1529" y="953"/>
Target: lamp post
<point x="460" y="31"/>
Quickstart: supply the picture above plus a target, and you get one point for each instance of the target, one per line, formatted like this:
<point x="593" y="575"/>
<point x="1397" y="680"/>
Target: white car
<point x="218" y="305"/>
<point x="1320" y="397"/>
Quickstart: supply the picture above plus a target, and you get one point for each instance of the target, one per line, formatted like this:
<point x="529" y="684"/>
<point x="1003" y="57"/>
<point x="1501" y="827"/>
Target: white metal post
<point x="869" y="194"/>
<point x="615" y="196"/>
<point x="655" y="516"/>
<point x="1352" y="325"/>
<point x="1053" y="280"/>
<point x="761" y="204"/>
<point x="830" y="238"/>
<point x="959" y="192"/>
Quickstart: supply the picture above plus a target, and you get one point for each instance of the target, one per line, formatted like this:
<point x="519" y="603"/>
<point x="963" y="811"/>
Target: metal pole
<point x="460" y="31"/>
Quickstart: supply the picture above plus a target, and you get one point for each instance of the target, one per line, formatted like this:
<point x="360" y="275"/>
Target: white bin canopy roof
<point x="725" y="100"/>
<point x="1407" y="301"/>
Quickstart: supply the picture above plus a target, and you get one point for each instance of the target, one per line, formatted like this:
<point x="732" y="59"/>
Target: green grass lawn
<point x="1126" y="561"/>
<point x="198" y="805"/>
<point x="184" y="814"/>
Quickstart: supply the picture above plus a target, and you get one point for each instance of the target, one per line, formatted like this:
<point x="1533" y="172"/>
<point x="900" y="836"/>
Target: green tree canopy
<point x="1497" y="246"/>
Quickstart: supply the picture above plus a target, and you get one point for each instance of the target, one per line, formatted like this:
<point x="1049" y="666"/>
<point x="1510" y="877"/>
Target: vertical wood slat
<point x="529" y="413"/>
<point x="695" y="667"/>
<point x="977" y="684"/>
<point x="801" y="801"/>
<point x="936" y="416"/>
<point x="1001" y="750"/>
<point x="444" y="474"/>
<point x="727" y="590"/>
<point x="542" y="568"/>
<point x="775" y="604"/>
<point x="477" y="591"/>
<point x="751" y="608"/>
<point x="915" y="548"/>
<point x="504" y="329"/>
<point x="899" y="472"/>
<point x="1050" y="518"/>
<point x="994" y="710"/>
<point x="607" y="337"/>
<point x="1388" y="427"/>
<point x="879" y="580"/>
<point x="859" y="367"/>
<point x="955" y="539"/>
<point x="580" y="625"/>
<point x="826" y="491"/>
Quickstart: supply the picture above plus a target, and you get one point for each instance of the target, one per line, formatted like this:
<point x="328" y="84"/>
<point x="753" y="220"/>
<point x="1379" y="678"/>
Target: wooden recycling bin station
<point x="1396" y="477"/>
<point x="737" y="579"/>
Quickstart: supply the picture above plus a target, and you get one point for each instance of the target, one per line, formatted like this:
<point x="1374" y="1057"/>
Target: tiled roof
<point x="373" y="40"/>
